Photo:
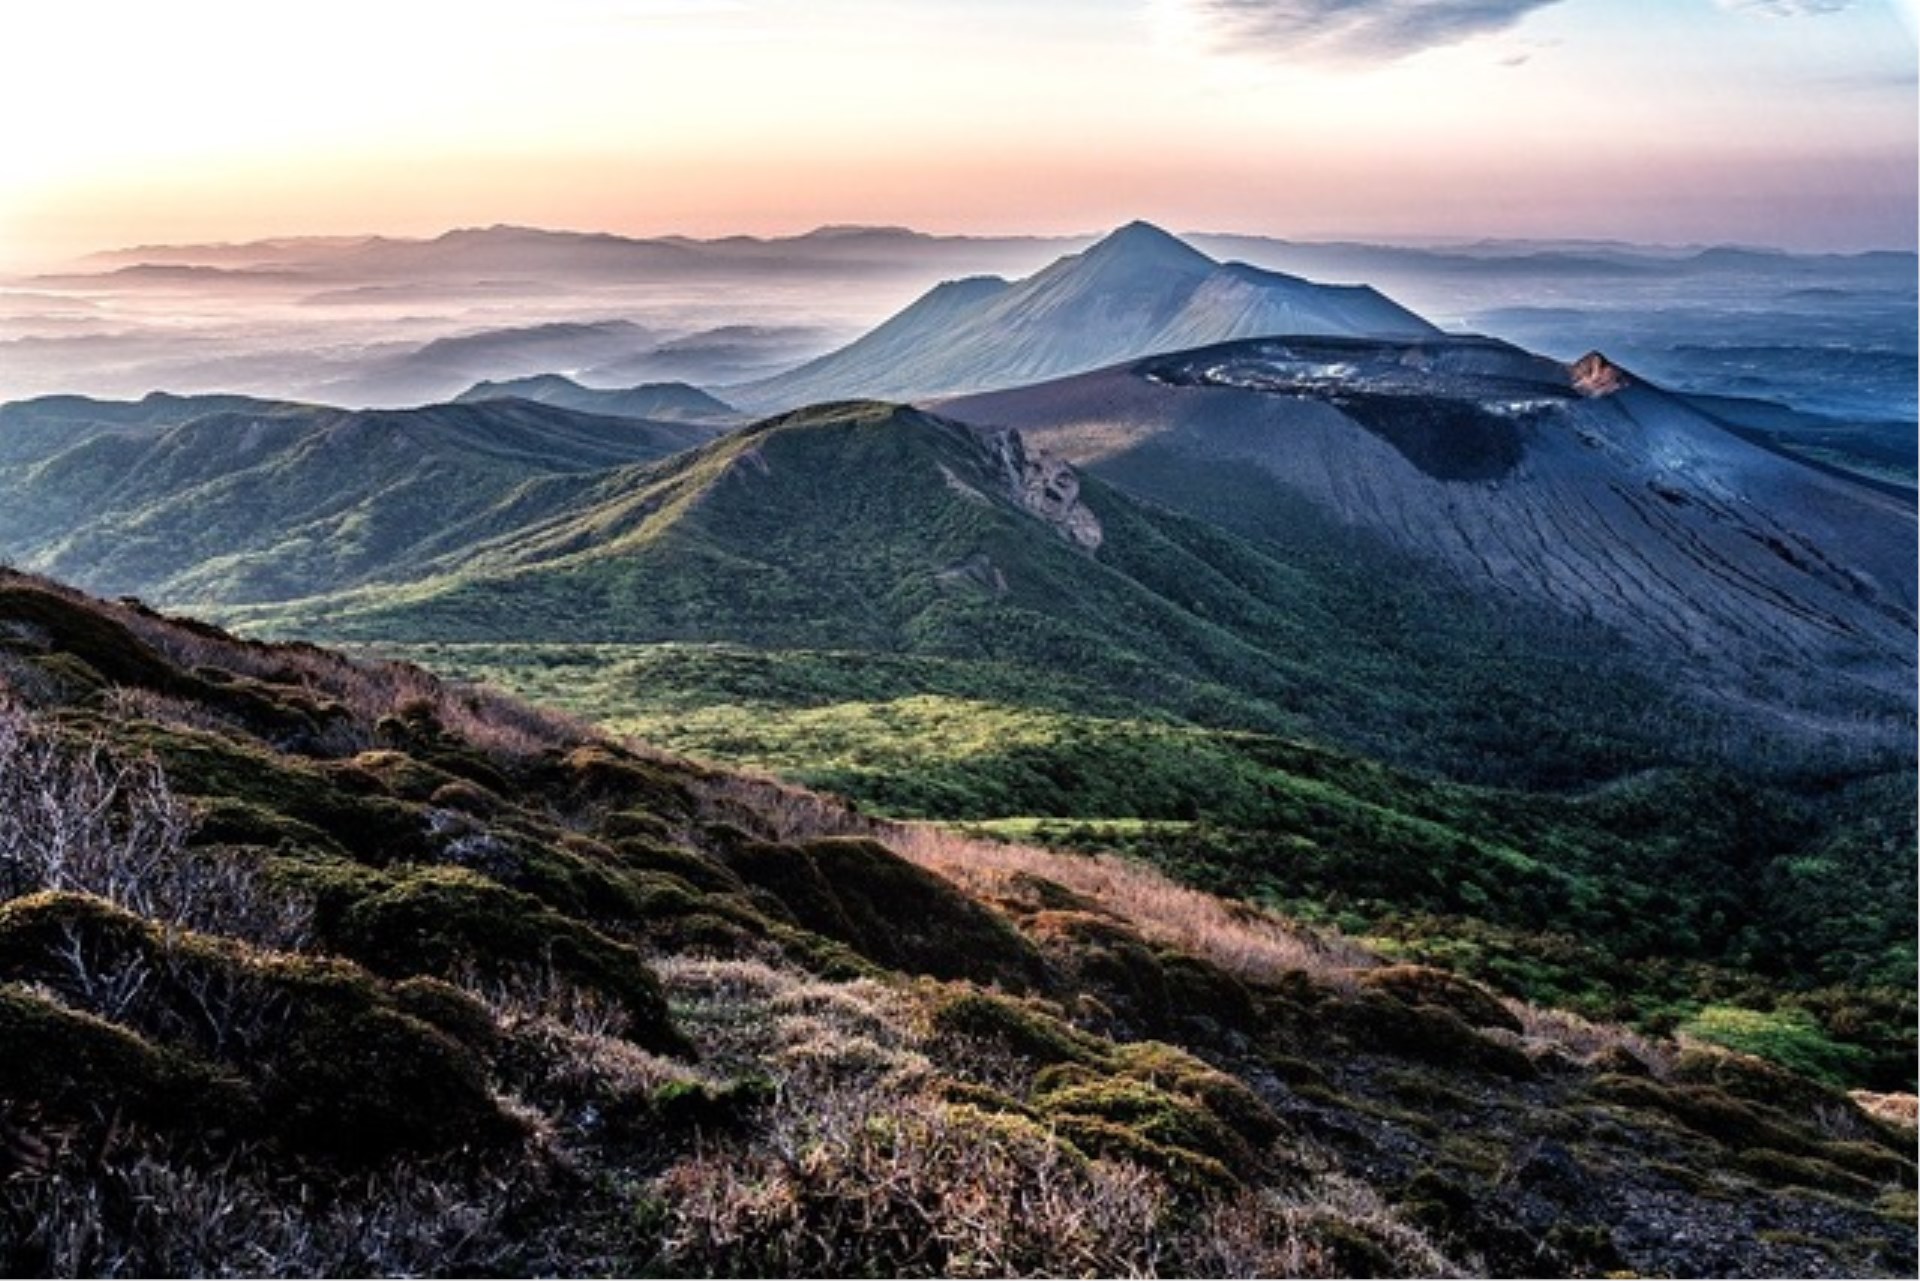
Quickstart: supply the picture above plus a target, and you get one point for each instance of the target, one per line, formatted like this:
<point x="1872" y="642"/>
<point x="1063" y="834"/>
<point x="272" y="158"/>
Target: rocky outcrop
<point x="1594" y="375"/>
<point x="1046" y="487"/>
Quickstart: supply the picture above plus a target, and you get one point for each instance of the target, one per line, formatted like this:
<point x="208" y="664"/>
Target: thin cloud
<point x="1353" y="30"/>
<point x="1786" y="8"/>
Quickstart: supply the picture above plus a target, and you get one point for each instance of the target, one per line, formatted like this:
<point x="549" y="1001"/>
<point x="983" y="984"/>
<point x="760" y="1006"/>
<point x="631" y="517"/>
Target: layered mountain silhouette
<point x="1290" y="527"/>
<point x="441" y="368"/>
<point x="1138" y="291"/>
<point x="506" y="252"/>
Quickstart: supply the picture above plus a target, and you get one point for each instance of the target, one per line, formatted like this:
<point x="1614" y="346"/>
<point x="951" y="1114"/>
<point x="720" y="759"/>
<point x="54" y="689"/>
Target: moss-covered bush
<point x="439" y="919"/>
<point x="1021" y="1028"/>
<point x="359" y="1079"/>
<point x="77" y="1066"/>
<point x="1432" y="1033"/>
<point x="1424" y="985"/>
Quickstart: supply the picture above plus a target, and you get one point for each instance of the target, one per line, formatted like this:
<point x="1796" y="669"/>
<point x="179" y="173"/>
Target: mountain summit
<point x="1142" y="242"/>
<point x="1138" y="292"/>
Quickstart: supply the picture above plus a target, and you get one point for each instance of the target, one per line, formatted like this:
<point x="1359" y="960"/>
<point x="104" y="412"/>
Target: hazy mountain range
<point x="312" y="318"/>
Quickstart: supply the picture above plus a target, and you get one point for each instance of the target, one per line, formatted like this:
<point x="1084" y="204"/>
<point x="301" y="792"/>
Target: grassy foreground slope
<point x="309" y="966"/>
<point x="1655" y="899"/>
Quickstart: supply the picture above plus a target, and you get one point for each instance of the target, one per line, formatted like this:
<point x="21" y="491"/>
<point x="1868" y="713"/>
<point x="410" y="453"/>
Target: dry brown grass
<point x="161" y="1213"/>
<point x="1242" y="940"/>
<point x="859" y="1166"/>
<point x="888" y="1182"/>
<point x="1902" y="1110"/>
<point x="1586" y="1041"/>
<point x="783" y="1024"/>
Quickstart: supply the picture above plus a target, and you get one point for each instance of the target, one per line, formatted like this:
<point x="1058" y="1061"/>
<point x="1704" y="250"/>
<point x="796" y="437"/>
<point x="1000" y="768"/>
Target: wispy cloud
<point x="1356" y="30"/>
<point x="1786" y="8"/>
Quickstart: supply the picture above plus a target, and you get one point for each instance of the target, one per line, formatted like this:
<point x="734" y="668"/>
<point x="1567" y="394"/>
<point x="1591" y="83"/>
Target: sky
<point x="1768" y="122"/>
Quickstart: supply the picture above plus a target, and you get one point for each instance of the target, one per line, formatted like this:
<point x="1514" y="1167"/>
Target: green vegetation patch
<point x="1789" y="1037"/>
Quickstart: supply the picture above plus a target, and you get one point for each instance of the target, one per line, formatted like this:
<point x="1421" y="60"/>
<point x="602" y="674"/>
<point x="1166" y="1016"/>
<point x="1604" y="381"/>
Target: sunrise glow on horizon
<point x="1777" y="122"/>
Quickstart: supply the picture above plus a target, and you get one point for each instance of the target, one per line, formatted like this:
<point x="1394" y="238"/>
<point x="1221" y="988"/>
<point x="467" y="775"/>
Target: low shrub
<point x="438" y="919"/>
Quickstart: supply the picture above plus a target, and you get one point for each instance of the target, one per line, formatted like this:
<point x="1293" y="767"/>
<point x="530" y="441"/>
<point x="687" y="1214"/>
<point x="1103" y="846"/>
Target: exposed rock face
<point x="1047" y="487"/>
<point x="1594" y="375"/>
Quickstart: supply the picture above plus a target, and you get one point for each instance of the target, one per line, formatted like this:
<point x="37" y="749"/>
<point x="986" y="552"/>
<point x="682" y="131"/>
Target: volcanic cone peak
<point x="1142" y="242"/>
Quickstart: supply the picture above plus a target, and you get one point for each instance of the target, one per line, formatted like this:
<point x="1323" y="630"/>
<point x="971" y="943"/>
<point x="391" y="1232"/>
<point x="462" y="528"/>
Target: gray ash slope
<point x="1774" y="588"/>
<point x="1136" y="292"/>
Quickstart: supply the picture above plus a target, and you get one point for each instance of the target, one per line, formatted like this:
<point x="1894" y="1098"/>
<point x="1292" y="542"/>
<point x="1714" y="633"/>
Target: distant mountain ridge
<point x="665" y="402"/>
<point x="1830" y="334"/>
<point x="1136" y="292"/>
<point x="441" y="368"/>
<point x="522" y="248"/>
